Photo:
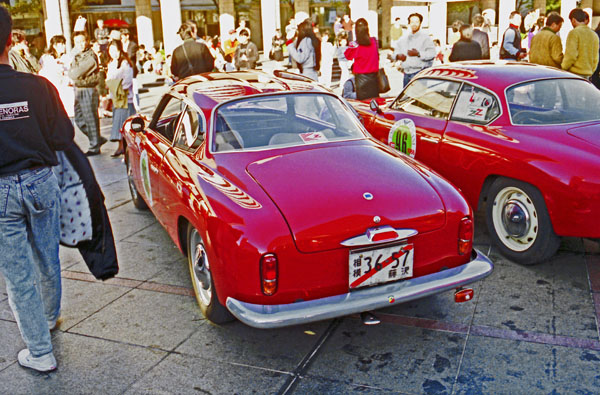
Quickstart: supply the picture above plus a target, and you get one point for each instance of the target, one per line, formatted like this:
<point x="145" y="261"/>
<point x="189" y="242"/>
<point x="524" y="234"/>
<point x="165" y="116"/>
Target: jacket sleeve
<point x="428" y="52"/>
<point x="302" y="53"/>
<point x="126" y="74"/>
<point x="507" y="44"/>
<point x="350" y="52"/>
<point x="556" y="51"/>
<point x="571" y="52"/>
<point x="452" y="56"/>
<point x="252" y="53"/>
<point x="174" y="63"/>
<point x="59" y="128"/>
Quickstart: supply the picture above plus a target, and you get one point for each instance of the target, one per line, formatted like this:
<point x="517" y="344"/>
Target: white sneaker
<point x="45" y="363"/>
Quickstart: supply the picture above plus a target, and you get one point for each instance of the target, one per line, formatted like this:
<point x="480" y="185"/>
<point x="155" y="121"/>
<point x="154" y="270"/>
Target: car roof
<point x="210" y="89"/>
<point x="498" y="75"/>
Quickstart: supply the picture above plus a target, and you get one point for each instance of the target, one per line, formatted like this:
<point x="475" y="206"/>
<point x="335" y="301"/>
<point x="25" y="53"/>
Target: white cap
<point x="115" y="35"/>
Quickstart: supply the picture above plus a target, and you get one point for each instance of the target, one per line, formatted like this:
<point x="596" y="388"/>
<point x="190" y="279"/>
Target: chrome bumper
<point x="275" y="316"/>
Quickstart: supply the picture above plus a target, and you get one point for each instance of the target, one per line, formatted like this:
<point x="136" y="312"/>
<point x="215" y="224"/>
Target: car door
<point x="178" y="166"/>
<point x="415" y="122"/>
<point x="153" y="145"/>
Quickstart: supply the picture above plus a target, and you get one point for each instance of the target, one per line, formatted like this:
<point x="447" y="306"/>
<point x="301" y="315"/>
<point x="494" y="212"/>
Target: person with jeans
<point x="415" y="50"/>
<point x="511" y="47"/>
<point x="85" y="73"/>
<point x="33" y="125"/>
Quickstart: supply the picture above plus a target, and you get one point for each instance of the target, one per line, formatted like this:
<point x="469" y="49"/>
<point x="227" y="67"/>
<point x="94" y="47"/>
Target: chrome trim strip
<point x="366" y="238"/>
<point x="275" y="316"/>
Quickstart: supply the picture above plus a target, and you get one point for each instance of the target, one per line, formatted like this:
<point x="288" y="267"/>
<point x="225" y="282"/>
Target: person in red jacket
<point x="365" y="53"/>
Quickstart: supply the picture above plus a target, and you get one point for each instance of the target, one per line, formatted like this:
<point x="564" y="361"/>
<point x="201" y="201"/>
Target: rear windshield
<point x="555" y="101"/>
<point x="283" y="120"/>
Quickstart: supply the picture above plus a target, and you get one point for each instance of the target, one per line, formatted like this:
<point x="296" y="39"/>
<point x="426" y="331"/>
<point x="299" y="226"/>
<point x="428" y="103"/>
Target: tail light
<point x="268" y="274"/>
<point x="463" y="295"/>
<point x="465" y="236"/>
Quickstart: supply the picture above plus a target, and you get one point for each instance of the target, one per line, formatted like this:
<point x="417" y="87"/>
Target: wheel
<point x="204" y="286"/>
<point x="518" y="222"/>
<point x="138" y="201"/>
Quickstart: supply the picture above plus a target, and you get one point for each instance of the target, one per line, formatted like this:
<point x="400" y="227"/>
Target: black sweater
<point x="33" y="122"/>
<point x="191" y="58"/>
<point x="465" y="50"/>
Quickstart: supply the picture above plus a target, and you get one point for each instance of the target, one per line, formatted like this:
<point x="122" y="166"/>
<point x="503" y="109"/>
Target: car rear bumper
<point x="274" y="316"/>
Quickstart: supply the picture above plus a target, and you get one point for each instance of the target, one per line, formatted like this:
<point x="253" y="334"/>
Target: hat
<point x="115" y="35"/>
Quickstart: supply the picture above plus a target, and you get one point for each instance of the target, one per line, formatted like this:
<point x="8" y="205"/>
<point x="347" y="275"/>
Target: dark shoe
<point x="92" y="153"/>
<point x="101" y="141"/>
<point x="117" y="153"/>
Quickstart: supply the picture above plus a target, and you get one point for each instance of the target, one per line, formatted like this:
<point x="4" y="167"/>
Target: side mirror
<point x="138" y="124"/>
<point x="375" y="107"/>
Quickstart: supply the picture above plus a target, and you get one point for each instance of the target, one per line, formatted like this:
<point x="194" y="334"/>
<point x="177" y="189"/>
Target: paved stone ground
<point x="529" y="329"/>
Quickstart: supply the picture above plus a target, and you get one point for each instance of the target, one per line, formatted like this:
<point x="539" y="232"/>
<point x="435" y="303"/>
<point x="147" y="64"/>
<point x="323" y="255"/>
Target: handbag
<point x="383" y="83"/>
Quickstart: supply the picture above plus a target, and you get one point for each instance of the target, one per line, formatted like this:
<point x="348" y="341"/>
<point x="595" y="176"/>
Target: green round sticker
<point x="403" y="137"/>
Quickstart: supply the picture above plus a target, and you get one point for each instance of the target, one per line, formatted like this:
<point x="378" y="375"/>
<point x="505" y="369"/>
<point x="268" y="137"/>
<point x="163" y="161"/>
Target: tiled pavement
<point x="529" y="329"/>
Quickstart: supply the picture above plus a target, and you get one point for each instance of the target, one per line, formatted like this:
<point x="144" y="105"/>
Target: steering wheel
<point x="527" y="115"/>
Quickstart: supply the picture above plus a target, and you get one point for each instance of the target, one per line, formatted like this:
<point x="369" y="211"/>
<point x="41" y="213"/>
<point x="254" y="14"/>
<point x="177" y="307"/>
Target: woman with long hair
<point x="306" y="51"/>
<point x="54" y="67"/>
<point x="119" y="79"/>
<point x="365" y="53"/>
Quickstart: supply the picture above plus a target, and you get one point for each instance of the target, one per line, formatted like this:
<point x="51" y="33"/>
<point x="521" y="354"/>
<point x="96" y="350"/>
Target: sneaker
<point x="52" y="325"/>
<point x="45" y="363"/>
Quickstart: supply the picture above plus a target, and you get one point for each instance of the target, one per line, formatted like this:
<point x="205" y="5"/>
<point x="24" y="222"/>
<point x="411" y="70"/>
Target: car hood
<point x="589" y="133"/>
<point x="320" y="192"/>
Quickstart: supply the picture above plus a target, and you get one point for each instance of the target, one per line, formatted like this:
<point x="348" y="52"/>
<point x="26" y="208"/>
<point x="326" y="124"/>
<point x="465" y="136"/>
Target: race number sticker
<point x="145" y="174"/>
<point x="473" y="105"/>
<point x="314" y="137"/>
<point x="403" y="137"/>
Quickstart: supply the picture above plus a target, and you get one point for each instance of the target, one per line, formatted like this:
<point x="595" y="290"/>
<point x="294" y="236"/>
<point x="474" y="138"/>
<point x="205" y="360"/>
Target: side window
<point x="191" y="130"/>
<point x="429" y="97"/>
<point x="475" y="105"/>
<point x="166" y="115"/>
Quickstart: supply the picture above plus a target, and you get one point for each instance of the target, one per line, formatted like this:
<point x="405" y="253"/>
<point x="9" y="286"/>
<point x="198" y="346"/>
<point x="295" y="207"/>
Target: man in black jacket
<point x="191" y="57"/>
<point x="480" y="36"/>
<point x="85" y="73"/>
<point x="465" y="48"/>
<point x="33" y="125"/>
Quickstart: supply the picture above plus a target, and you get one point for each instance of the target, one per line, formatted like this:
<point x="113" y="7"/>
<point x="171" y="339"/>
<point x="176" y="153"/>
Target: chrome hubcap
<point x="200" y="269"/>
<point x="515" y="219"/>
<point x="131" y="183"/>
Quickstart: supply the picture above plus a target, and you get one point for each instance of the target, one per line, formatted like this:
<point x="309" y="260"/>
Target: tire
<point x="518" y="222"/>
<point x="204" y="286"/>
<point x="136" y="198"/>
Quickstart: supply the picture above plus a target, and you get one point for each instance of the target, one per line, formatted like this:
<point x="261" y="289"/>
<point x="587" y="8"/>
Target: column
<point x="386" y="22"/>
<point x="302" y="10"/>
<point x="505" y="8"/>
<point x="66" y="23"/>
<point x="143" y="21"/>
<point x="270" y="13"/>
<point x="565" y="8"/>
<point x="226" y="17"/>
<point x="368" y="10"/>
<point x="587" y="6"/>
<point x="256" y="25"/>
<point x="170" y="13"/>
<point x="438" y="20"/>
<point x="52" y="24"/>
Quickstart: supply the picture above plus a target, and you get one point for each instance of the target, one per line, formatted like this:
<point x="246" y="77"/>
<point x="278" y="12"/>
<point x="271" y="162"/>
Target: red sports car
<point x="288" y="211"/>
<point x="522" y="138"/>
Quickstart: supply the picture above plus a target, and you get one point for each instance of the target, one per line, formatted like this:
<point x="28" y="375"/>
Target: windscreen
<point x="283" y="120"/>
<point x="552" y="102"/>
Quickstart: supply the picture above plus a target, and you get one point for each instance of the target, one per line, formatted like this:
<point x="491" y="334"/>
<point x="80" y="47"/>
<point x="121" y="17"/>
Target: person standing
<point x="348" y="25"/>
<point x="246" y="53"/>
<point x="415" y="50"/>
<point x="546" y="47"/>
<point x="596" y="76"/>
<point x="395" y="32"/>
<point x="33" y="125"/>
<point x="365" y="53"/>
<point x="54" y="65"/>
<point x="465" y="48"/>
<point x="581" y="48"/>
<point x="337" y="26"/>
<point x="327" y="54"/>
<point x="480" y="36"/>
<point x="119" y="80"/>
<point x="342" y="45"/>
<point x="102" y="34"/>
<point x="277" y="44"/>
<point x="511" y="41"/>
<point x="306" y="51"/>
<point x="20" y="57"/>
<point x="191" y="57"/>
<point x="85" y="73"/>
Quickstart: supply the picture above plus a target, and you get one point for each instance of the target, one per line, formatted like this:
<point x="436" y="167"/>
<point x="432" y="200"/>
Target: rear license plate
<point x="382" y="265"/>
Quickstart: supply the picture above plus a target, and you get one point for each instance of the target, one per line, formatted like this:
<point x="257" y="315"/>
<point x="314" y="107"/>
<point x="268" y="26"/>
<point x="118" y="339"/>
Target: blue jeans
<point x="29" y="237"/>
<point x="408" y="78"/>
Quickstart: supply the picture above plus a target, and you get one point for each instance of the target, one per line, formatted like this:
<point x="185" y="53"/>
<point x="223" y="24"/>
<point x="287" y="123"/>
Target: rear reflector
<point x="465" y="236"/>
<point x="463" y="295"/>
<point x="268" y="274"/>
